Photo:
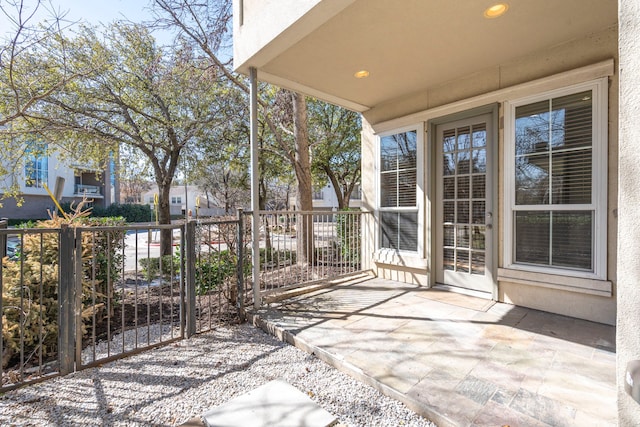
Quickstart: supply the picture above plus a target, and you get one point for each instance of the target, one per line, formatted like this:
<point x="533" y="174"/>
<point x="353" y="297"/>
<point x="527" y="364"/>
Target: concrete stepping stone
<point x="276" y="403"/>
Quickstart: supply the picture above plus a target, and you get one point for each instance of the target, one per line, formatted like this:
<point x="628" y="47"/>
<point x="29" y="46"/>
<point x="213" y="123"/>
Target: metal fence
<point x="298" y="248"/>
<point x="77" y="296"/>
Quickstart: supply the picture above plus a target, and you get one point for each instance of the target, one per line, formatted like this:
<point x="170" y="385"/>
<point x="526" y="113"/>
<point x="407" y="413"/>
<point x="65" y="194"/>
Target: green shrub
<point x="130" y="212"/>
<point x="214" y="269"/>
<point x="349" y="232"/>
<point x="30" y="284"/>
<point x="151" y="266"/>
<point x="23" y="223"/>
<point x="275" y="257"/>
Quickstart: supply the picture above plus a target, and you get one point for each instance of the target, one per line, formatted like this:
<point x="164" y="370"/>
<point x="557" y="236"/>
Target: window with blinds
<point x="553" y="207"/>
<point x="398" y="189"/>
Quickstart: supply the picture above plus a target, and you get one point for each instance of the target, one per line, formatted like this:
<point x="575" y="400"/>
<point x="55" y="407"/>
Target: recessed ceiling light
<point x="361" y="74"/>
<point x="496" y="10"/>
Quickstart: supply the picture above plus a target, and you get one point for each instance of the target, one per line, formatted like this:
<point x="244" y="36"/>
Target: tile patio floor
<point x="457" y="360"/>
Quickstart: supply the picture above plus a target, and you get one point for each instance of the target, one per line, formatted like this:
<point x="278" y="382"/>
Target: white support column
<point x="255" y="171"/>
<point x="628" y="263"/>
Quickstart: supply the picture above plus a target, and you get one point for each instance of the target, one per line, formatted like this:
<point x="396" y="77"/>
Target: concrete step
<point x="276" y="403"/>
<point x="278" y="295"/>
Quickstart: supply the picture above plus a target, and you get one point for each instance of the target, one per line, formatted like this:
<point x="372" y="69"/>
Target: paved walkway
<point x="456" y="359"/>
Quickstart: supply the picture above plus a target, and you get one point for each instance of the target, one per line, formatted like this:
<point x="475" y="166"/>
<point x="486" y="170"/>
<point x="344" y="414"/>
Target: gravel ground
<point x="168" y="385"/>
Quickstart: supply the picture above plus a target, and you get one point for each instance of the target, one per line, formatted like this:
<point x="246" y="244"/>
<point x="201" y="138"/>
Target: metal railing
<point x="77" y="296"/>
<point x="74" y="297"/>
<point x="298" y="248"/>
<point x="82" y="189"/>
<point x="29" y="305"/>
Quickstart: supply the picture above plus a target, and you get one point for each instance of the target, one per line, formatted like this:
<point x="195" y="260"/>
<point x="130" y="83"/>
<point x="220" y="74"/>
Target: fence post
<point x="4" y="224"/>
<point x="190" y="273"/>
<point x="66" y="301"/>
<point x="240" y="302"/>
<point x="77" y="289"/>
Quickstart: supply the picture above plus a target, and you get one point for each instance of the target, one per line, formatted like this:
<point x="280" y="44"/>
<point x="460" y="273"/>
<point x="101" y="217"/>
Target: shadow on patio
<point x="455" y="359"/>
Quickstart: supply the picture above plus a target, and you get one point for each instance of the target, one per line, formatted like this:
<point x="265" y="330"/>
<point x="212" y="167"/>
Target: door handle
<point x="489" y="224"/>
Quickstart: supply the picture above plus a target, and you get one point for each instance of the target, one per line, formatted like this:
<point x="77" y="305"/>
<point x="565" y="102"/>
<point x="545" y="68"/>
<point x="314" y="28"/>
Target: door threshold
<point x="463" y="291"/>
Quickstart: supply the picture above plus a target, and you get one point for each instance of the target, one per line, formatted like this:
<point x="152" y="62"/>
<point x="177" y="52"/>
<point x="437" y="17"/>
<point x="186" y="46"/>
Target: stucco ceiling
<point x="411" y="45"/>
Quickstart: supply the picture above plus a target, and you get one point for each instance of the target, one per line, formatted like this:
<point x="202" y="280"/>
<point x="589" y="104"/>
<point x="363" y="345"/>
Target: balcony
<point x="94" y="191"/>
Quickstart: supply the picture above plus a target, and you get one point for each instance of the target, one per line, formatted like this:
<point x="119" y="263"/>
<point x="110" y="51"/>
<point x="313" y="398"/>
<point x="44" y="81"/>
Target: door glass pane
<point x="462" y="261"/>
<point x="448" y="259"/>
<point x="477" y="263"/>
<point x="464" y="137"/>
<point x="477" y="237"/>
<point x="462" y="236"/>
<point x="462" y="215"/>
<point x="463" y="187"/>
<point x="479" y="135"/>
<point x="478" y="186"/>
<point x="448" y="164"/>
<point x="449" y="141"/>
<point x="478" y="211"/>
<point x="449" y="235"/>
<point x="449" y="185"/>
<point x="448" y="212"/>
<point x="463" y="162"/>
<point x="479" y="161"/>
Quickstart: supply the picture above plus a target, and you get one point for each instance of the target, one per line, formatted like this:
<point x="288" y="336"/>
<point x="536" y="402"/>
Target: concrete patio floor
<point x="456" y="359"/>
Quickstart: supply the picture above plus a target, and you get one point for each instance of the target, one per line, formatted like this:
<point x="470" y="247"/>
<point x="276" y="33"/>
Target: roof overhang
<point x="407" y="46"/>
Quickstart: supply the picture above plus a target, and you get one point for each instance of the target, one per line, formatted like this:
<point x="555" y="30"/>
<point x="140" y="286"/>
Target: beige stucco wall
<point x="367" y="182"/>
<point x="555" y="59"/>
<point x="262" y="29"/>
<point x="573" y="304"/>
<point x="258" y="22"/>
<point x="432" y="103"/>
<point x="628" y="335"/>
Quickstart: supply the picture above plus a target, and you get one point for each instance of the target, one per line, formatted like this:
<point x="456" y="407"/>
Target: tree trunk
<point x="304" y="201"/>
<point x="164" y="217"/>
<point x="225" y="182"/>
<point x="347" y="197"/>
<point x="336" y="188"/>
<point x="262" y="204"/>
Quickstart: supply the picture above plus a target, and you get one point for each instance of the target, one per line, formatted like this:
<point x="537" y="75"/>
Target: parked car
<point x="13" y="248"/>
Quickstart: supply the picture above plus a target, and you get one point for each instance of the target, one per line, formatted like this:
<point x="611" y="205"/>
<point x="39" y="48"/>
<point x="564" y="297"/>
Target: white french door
<point x="464" y="203"/>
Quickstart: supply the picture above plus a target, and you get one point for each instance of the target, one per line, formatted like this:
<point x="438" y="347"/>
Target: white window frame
<point x="420" y="141"/>
<point x="599" y="90"/>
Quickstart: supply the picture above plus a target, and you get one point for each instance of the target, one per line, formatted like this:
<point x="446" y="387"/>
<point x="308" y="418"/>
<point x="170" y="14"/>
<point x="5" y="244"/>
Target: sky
<point x="98" y="11"/>
<point x="105" y="11"/>
<point x="94" y="12"/>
